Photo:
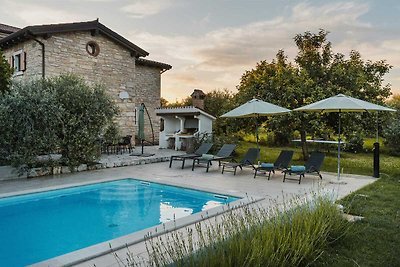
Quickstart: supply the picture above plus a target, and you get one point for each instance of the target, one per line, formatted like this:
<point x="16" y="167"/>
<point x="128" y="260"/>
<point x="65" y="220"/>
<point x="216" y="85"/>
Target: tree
<point x="87" y="110"/>
<point x="216" y="103"/>
<point x="316" y="73"/>
<point x="395" y="102"/>
<point x="39" y="117"/>
<point x="392" y="130"/>
<point x="163" y="102"/>
<point x="5" y="74"/>
<point x="29" y="119"/>
<point x="274" y="82"/>
<point x="184" y="102"/>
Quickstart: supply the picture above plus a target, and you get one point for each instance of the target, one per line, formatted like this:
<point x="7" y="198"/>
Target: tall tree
<point x="316" y="73"/>
<point x="163" y="102"/>
<point x="184" y="102"/>
<point x="218" y="102"/>
<point x="313" y="60"/>
<point x="5" y="74"/>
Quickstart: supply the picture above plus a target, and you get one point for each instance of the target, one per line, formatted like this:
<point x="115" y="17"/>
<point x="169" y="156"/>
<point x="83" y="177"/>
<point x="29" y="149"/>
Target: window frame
<point x="21" y="62"/>
<point x="93" y="48"/>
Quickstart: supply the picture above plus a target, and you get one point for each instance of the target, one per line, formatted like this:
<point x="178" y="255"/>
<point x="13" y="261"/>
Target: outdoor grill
<point x="180" y="126"/>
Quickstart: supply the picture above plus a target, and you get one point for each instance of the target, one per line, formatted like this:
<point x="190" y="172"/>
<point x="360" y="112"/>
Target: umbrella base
<point x="337" y="182"/>
<point x="141" y="154"/>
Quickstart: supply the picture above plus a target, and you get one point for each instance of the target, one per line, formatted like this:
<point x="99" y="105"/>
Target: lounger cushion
<point x="297" y="168"/>
<point x="267" y="165"/>
<point x="207" y="156"/>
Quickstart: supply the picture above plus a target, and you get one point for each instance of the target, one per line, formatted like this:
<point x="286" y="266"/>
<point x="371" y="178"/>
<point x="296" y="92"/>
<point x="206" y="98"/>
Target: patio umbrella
<point x="141" y="123"/>
<point x="342" y="103"/>
<point x="141" y="135"/>
<point x="255" y="108"/>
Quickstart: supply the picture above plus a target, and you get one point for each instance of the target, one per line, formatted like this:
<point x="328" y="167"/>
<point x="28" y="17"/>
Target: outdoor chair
<point x="110" y="148"/>
<point x="249" y="159"/>
<point x="206" y="160"/>
<point x="281" y="163"/>
<point x="313" y="164"/>
<point x="125" y="144"/>
<point x="203" y="149"/>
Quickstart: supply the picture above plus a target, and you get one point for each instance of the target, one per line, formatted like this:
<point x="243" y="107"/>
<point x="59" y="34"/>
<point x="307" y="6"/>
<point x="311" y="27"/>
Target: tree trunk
<point x="304" y="146"/>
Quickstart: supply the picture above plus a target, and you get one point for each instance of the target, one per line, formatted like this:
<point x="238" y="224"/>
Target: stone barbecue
<point x="182" y="125"/>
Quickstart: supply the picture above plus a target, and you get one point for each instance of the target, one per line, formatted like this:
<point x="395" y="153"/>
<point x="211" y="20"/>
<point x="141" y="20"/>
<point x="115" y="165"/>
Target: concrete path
<point x="105" y="161"/>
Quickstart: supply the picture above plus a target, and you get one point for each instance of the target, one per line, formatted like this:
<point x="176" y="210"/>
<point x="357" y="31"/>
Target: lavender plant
<point x="294" y="234"/>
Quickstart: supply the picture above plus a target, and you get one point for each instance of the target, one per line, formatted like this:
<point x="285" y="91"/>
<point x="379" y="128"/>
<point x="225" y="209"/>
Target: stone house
<point x="94" y="52"/>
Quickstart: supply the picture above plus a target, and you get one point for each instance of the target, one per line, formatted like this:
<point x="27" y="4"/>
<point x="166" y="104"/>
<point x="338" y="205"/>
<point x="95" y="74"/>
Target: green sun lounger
<point x="281" y="163"/>
<point x="203" y="149"/>
<point x="249" y="159"/>
<point x="313" y="164"/>
<point x="206" y="160"/>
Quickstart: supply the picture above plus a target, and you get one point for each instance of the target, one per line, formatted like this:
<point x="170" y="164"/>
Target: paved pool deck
<point x="243" y="184"/>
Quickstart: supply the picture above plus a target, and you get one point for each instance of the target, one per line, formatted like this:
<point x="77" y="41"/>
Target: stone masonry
<point x="114" y="67"/>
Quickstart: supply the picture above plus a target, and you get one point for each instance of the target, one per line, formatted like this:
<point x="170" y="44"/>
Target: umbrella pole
<point x="338" y="166"/>
<point x="258" y="146"/>
<point x="376" y="148"/>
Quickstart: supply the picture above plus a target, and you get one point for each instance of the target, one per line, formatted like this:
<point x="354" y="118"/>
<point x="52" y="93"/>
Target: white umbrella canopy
<point x="342" y="103"/>
<point x="255" y="108"/>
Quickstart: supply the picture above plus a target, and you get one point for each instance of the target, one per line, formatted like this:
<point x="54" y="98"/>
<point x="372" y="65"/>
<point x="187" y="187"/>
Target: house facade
<point x="96" y="53"/>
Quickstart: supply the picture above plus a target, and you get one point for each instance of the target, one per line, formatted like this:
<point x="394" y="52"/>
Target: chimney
<point x="198" y="98"/>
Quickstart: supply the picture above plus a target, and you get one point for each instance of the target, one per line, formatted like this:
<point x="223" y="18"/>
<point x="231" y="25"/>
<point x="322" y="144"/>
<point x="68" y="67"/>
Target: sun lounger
<point x="203" y="149"/>
<point x="281" y="163"/>
<point x="249" y="159"/>
<point x="206" y="160"/>
<point x="313" y="164"/>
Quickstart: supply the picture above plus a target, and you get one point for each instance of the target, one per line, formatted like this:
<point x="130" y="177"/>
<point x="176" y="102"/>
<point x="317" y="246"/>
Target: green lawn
<point x="361" y="163"/>
<point x="374" y="241"/>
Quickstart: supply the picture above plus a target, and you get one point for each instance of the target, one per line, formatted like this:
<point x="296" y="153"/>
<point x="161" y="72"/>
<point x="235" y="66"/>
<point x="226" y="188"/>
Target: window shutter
<point x="23" y="61"/>
<point x="12" y="62"/>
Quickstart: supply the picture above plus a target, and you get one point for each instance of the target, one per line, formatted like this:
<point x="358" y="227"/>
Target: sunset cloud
<point x="210" y="44"/>
<point x="220" y="57"/>
<point x="143" y="8"/>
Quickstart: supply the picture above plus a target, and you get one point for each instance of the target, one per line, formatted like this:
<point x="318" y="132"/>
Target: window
<point x="18" y="62"/>
<point x="92" y="48"/>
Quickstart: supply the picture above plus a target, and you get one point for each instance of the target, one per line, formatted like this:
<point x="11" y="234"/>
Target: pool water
<point x="39" y="226"/>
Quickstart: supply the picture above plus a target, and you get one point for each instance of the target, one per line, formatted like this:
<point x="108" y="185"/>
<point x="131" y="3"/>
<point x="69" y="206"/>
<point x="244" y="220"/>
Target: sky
<point x="211" y="43"/>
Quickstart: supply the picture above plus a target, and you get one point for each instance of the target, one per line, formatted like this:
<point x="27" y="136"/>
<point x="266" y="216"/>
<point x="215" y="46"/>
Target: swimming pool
<point x="36" y="227"/>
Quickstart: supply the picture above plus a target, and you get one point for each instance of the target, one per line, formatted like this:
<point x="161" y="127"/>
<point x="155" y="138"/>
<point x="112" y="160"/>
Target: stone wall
<point x="33" y="59"/>
<point x="113" y="67"/>
<point x="148" y="79"/>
